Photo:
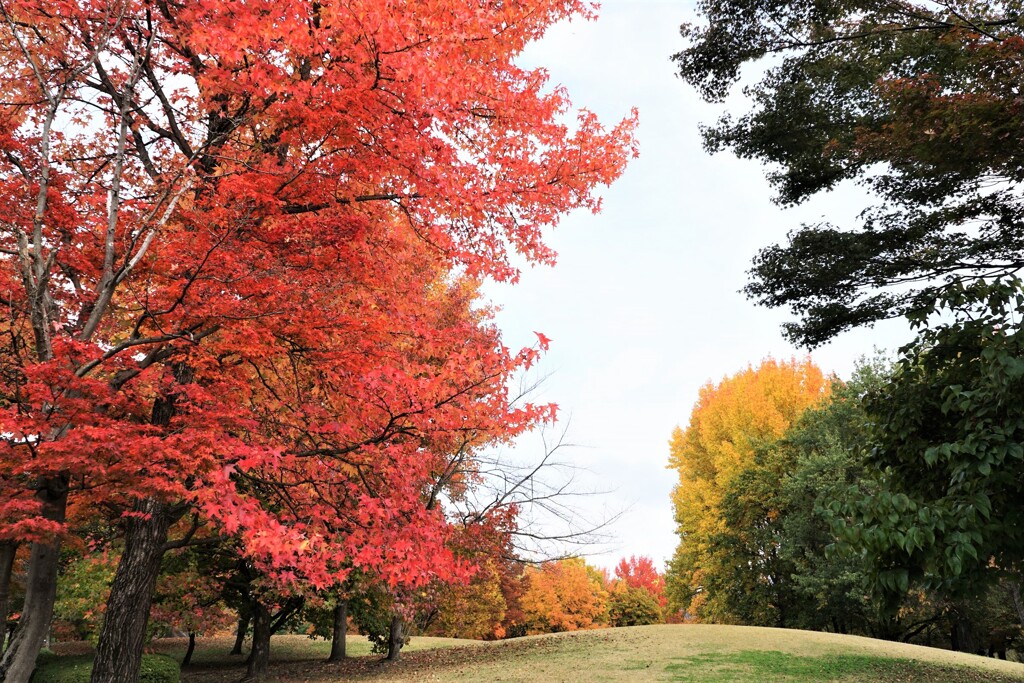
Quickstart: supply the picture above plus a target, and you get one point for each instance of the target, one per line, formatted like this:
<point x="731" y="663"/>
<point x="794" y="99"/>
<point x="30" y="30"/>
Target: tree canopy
<point x="239" y="261"/>
<point x="918" y="101"/>
<point x="947" y="433"/>
<point x="564" y="595"/>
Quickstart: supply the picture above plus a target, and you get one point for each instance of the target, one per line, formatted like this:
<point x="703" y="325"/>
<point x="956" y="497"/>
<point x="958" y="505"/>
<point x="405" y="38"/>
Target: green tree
<point x="778" y="564"/>
<point x="829" y="587"/>
<point x="948" y="434"/>
<point x="824" y="456"/>
<point x="751" y="582"/>
<point x="372" y="607"/>
<point x="82" y="591"/>
<point x="919" y="101"/>
<point x="825" y="470"/>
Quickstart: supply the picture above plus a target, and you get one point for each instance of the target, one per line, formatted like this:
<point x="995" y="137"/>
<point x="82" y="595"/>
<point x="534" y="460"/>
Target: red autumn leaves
<point x="243" y="278"/>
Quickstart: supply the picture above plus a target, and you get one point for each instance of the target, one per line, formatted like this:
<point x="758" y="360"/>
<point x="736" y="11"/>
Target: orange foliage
<point x="473" y="610"/>
<point x="563" y="596"/>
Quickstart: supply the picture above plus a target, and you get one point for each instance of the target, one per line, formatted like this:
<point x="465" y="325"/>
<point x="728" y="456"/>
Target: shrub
<point x="633" y="607"/>
<point x="515" y="631"/>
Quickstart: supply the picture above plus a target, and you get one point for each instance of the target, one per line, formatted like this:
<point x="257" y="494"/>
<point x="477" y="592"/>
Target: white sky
<point x="643" y="307"/>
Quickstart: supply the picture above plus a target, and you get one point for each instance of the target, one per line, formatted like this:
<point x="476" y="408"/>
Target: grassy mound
<point x="682" y="653"/>
<point x="706" y="653"/>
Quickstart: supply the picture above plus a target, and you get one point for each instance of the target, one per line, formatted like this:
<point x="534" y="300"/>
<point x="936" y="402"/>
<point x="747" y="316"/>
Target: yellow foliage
<point x="755" y="406"/>
<point x="474" y="610"/>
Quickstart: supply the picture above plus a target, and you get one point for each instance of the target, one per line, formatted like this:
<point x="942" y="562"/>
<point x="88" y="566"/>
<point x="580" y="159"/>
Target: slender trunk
<point x="396" y="639"/>
<point x="119" y="652"/>
<point x="191" y="648"/>
<point x="1018" y="604"/>
<point x="8" y="551"/>
<point x="259" y="656"/>
<point x="243" y="628"/>
<point x="265" y="625"/>
<point x="340" y="632"/>
<point x="20" y="657"/>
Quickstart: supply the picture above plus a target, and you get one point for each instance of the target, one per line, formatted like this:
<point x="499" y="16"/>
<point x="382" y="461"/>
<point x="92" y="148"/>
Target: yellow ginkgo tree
<point x="729" y="422"/>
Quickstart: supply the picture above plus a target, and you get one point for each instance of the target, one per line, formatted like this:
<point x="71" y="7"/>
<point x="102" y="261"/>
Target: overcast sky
<point x="643" y="306"/>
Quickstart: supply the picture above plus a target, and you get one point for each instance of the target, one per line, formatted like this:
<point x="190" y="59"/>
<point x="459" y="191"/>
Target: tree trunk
<point x="396" y="639"/>
<point x="19" y="659"/>
<point x="119" y="652"/>
<point x="8" y="551"/>
<point x="780" y="608"/>
<point x="1018" y="604"/>
<point x="243" y="628"/>
<point x="962" y="635"/>
<point x="191" y="648"/>
<point x="259" y="656"/>
<point x="340" y="632"/>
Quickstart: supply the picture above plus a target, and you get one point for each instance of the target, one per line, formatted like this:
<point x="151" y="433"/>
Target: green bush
<point x="77" y="669"/>
<point x="53" y="669"/>
<point x="633" y="607"/>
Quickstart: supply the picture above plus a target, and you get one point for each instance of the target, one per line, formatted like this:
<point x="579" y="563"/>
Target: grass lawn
<point x="697" y="653"/>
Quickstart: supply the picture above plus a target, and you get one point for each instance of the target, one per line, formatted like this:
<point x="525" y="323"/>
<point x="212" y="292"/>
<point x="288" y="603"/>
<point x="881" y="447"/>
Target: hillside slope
<point x="698" y="653"/>
<point x="712" y="653"/>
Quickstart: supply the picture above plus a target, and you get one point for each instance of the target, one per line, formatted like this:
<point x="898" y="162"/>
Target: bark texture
<point x="8" y="551"/>
<point x="1018" y="603"/>
<point x="243" y="628"/>
<point x="259" y="656"/>
<point x="962" y="637"/>
<point x="340" y="632"/>
<point x="187" y="659"/>
<point x="19" y="659"/>
<point x="119" y="653"/>
<point x="396" y="639"/>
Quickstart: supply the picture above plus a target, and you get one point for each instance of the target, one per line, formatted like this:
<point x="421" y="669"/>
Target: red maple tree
<point x="640" y="572"/>
<point x="208" y="201"/>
